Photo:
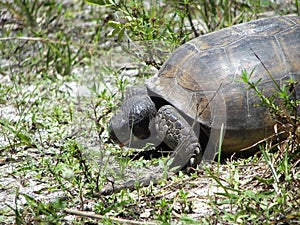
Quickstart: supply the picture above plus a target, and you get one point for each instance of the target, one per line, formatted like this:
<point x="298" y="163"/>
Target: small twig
<point x="191" y="20"/>
<point x="44" y="40"/>
<point x="266" y="69"/>
<point x="101" y="217"/>
<point x="207" y="104"/>
<point x="263" y="140"/>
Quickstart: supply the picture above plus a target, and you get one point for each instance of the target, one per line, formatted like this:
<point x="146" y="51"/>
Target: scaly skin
<point x="139" y="123"/>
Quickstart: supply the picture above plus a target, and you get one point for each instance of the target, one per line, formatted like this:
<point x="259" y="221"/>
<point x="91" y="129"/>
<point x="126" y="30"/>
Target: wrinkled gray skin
<point x="141" y="121"/>
<point x="198" y="84"/>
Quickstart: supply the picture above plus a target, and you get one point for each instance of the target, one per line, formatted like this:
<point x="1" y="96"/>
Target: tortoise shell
<point x="202" y="77"/>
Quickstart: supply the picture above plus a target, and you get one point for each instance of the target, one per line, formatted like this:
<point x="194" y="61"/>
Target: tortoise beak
<point x="114" y="136"/>
<point x="118" y="131"/>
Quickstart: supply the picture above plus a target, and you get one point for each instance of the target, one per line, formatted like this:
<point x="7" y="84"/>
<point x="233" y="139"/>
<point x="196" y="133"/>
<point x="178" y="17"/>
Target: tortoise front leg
<point x="178" y="134"/>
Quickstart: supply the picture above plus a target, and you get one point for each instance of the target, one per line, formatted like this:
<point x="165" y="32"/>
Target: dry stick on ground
<point x="101" y="217"/>
<point x="37" y="39"/>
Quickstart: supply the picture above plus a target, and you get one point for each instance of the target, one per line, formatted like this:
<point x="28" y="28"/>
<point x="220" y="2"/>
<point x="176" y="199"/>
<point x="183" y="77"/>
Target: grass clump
<point x="271" y="191"/>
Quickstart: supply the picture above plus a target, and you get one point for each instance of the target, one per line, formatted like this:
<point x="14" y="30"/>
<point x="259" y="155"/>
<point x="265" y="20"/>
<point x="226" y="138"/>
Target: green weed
<point x="163" y="25"/>
<point x="42" y="213"/>
<point x="275" y="202"/>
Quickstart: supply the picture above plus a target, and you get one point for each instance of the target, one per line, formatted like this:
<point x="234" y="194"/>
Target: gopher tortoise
<point x="196" y="101"/>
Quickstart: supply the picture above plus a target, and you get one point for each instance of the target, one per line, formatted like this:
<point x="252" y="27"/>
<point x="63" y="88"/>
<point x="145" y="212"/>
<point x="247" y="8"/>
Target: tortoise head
<point x="132" y="123"/>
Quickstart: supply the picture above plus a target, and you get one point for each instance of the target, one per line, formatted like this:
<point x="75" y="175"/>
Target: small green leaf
<point x="96" y="2"/>
<point x="121" y="34"/>
<point x="114" y="24"/>
<point x="113" y="32"/>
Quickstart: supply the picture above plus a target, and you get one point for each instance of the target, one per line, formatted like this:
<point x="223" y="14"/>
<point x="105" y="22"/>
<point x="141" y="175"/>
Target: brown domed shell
<point x="202" y="77"/>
